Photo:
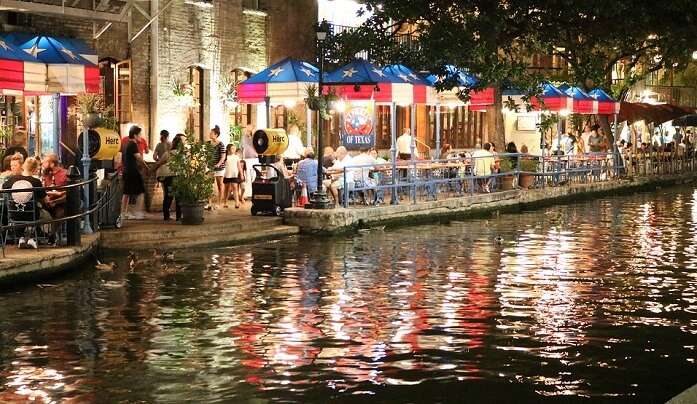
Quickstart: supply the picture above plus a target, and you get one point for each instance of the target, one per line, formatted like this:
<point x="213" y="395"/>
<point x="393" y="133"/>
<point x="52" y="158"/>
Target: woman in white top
<point x="233" y="175"/>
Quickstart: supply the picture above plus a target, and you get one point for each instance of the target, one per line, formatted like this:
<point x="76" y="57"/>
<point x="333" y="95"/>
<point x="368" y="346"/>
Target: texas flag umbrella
<point x="422" y="91"/>
<point x="582" y="102"/>
<point x="361" y="80"/>
<point x="67" y="71"/>
<point x="479" y="99"/>
<point x="19" y="72"/>
<point x="606" y="104"/>
<point x="284" y="81"/>
<point x="554" y="99"/>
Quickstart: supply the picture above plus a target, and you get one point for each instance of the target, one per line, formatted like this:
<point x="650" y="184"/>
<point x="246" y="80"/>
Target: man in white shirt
<point x="483" y="162"/>
<point x="337" y="172"/>
<point x="404" y="145"/>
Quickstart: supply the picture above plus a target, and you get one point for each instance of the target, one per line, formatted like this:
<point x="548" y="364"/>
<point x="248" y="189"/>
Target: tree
<point x="495" y="40"/>
<point x="640" y="36"/>
<point x="487" y="37"/>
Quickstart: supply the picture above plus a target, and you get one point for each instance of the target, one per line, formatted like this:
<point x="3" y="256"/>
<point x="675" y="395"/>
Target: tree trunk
<point x="496" y="126"/>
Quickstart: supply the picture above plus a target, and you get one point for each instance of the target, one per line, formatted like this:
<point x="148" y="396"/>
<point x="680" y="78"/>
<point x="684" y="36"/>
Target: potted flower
<point x="90" y="107"/>
<point x="319" y="102"/>
<point x="183" y="93"/>
<point x="506" y="166"/>
<point x="192" y="185"/>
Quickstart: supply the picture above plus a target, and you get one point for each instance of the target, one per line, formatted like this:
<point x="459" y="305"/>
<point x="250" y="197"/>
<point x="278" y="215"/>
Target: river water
<point x="592" y="301"/>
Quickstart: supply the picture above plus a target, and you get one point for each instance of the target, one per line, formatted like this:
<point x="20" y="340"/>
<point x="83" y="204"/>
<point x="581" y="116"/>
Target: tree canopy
<point x="495" y="40"/>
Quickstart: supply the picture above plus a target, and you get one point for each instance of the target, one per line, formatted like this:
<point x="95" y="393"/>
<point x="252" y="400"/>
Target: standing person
<point x="595" y="142"/>
<point x="163" y="147"/>
<point x="218" y="161"/>
<point x="234" y="175"/>
<point x="166" y="177"/>
<point x="585" y="136"/>
<point x="484" y="164"/>
<point x="404" y="145"/>
<point x="250" y="158"/>
<point x="142" y="143"/>
<point x="580" y="143"/>
<point x="133" y="180"/>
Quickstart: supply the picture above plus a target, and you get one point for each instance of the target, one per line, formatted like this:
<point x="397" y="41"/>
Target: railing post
<point x="72" y="207"/>
<point x="346" y="190"/>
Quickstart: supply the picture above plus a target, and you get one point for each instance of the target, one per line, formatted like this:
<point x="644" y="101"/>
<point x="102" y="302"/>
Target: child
<point x="233" y="175"/>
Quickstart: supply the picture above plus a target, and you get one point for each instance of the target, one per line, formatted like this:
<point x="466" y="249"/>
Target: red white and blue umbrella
<point x="362" y="80"/>
<point x="479" y="99"/>
<point x="20" y="73"/>
<point x="285" y="81"/>
<point x="554" y="100"/>
<point x="67" y="71"/>
<point x="606" y="104"/>
<point x="582" y="102"/>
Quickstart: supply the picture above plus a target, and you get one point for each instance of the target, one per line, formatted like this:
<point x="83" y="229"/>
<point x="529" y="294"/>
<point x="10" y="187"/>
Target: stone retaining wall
<point x="340" y="220"/>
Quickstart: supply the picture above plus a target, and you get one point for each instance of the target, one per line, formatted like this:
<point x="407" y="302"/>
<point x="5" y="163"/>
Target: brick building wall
<point x="217" y="39"/>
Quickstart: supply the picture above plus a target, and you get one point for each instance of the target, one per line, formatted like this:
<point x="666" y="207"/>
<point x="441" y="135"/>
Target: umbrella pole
<point x="308" y="119"/>
<point x="267" y="102"/>
<point x="438" y="156"/>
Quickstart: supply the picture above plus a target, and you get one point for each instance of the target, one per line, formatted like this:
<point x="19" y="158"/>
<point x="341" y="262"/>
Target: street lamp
<point x="694" y="55"/>
<point x="319" y="199"/>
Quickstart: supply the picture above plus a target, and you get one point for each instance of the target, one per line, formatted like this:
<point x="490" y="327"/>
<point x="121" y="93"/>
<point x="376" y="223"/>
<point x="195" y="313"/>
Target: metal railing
<point x="70" y="225"/>
<point x="412" y="181"/>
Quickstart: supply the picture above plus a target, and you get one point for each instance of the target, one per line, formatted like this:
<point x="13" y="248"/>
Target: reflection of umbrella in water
<point x="687" y="120"/>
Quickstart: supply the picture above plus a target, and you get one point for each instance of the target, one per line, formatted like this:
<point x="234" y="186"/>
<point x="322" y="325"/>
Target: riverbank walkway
<point x="221" y="226"/>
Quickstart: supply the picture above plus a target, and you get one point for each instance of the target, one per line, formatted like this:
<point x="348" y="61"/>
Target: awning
<point x="285" y="81"/>
<point x="19" y="72"/>
<point x="686" y="120"/>
<point x="422" y="91"/>
<point x="67" y="71"/>
<point x="554" y="99"/>
<point x="651" y="113"/>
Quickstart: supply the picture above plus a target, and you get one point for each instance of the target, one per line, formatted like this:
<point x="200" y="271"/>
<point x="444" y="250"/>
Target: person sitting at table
<point x="374" y="154"/>
<point x="27" y="179"/>
<point x="306" y="172"/>
<point x="484" y="164"/>
<point x="339" y="175"/>
<point x="365" y="163"/>
<point x="53" y="175"/>
<point x="295" y="150"/>
<point x="446" y="151"/>
<point x="328" y="157"/>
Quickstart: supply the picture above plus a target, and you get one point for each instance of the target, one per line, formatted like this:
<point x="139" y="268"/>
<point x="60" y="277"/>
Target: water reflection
<point x="596" y="299"/>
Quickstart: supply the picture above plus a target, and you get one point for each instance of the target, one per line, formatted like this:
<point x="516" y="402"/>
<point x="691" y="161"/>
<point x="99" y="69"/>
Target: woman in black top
<point x="132" y="179"/>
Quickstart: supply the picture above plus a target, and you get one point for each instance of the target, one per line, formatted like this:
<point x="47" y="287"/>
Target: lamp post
<point x="319" y="199"/>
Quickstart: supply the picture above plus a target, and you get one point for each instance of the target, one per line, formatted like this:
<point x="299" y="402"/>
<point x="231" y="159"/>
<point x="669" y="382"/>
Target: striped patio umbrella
<point x="67" y="71"/>
<point x="606" y="104"/>
<point x="285" y="81"/>
<point x="582" y="103"/>
<point x="479" y="99"/>
<point x="20" y="73"/>
<point x="361" y="80"/>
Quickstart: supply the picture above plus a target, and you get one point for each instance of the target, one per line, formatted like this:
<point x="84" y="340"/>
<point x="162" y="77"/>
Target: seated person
<point x="18" y="200"/>
<point x="54" y="176"/>
<point x="306" y="173"/>
<point x="336" y="172"/>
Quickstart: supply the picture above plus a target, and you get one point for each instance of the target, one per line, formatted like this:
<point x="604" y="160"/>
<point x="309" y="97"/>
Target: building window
<point x="123" y="101"/>
<point x="253" y="4"/>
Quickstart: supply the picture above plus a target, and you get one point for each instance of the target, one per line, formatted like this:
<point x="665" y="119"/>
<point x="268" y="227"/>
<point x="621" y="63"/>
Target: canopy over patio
<point x="285" y="81"/>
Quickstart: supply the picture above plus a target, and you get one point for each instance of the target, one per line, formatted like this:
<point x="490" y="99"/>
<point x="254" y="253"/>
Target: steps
<point x="146" y="235"/>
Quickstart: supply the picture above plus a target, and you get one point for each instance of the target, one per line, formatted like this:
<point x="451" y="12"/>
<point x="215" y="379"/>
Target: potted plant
<point x="506" y="166"/>
<point x="183" y="93"/>
<point x="192" y="185"/>
<point x="91" y="107"/>
<point x="527" y="167"/>
<point x="320" y="102"/>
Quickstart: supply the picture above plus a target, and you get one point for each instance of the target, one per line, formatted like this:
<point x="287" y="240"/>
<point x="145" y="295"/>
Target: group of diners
<point x="30" y="195"/>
